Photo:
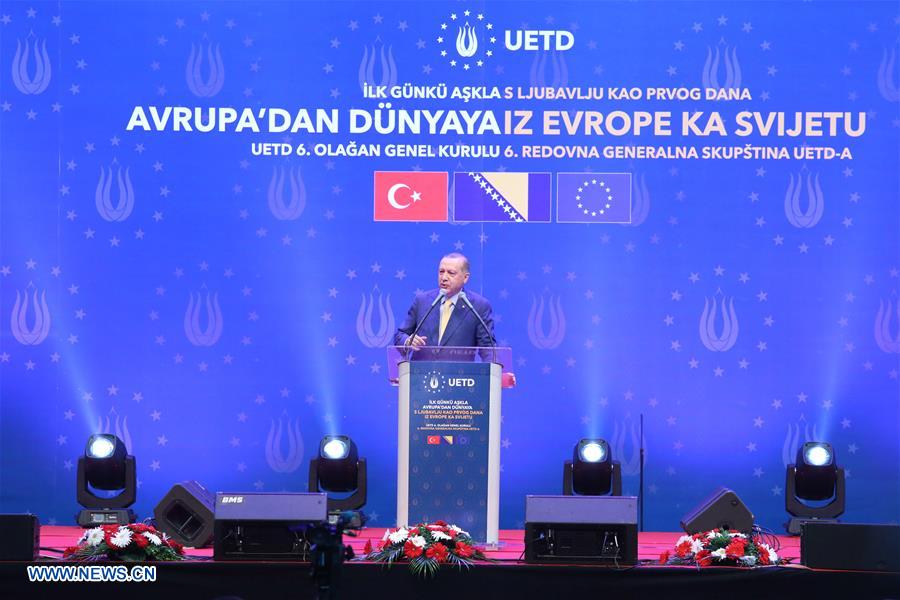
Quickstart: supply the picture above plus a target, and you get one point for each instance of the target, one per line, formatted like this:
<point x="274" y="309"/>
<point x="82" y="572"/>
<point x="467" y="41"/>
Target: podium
<point x="448" y="435"/>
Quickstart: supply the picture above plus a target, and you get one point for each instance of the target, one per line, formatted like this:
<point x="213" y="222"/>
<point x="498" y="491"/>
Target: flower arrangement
<point x="721" y="547"/>
<point x="426" y="547"/>
<point x="129" y="543"/>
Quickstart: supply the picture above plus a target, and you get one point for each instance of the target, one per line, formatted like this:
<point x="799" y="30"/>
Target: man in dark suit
<point x="451" y="323"/>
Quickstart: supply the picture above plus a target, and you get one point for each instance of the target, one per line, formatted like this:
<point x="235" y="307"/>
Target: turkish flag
<point x="433" y="440"/>
<point x="410" y="196"/>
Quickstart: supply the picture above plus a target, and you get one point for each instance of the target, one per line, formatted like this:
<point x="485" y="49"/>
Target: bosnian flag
<point x="410" y="196"/>
<point x="502" y="197"/>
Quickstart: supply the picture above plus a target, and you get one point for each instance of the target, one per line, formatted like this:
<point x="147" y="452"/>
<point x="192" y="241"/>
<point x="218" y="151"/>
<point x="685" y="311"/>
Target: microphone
<point x="440" y="296"/>
<point x="464" y="298"/>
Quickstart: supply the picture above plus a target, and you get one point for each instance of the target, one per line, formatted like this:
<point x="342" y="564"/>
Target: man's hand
<point x="416" y="341"/>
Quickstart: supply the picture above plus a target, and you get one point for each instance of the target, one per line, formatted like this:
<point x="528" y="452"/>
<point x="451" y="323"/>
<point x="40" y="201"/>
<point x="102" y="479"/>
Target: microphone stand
<point x="465" y="298"/>
<point x="641" y="483"/>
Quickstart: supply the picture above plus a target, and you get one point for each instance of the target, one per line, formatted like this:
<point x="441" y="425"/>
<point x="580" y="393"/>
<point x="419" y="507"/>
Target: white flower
<point x="387" y="532"/>
<point x="418" y="541"/>
<point x="440" y="535"/>
<point x="696" y="546"/>
<point x="683" y="539"/>
<point x="458" y="531"/>
<point x="399" y="535"/>
<point x="712" y="534"/>
<point x="773" y="556"/>
<point x="154" y="539"/>
<point x="94" y="536"/>
<point x="719" y="554"/>
<point x="121" y="538"/>
<point x="740" y="535"/>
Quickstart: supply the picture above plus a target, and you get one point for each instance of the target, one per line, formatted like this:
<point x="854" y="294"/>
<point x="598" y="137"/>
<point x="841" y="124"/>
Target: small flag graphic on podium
<point x="501" y="197"/>
<point x="410" y="196"/>
<point x="593" y="198"/>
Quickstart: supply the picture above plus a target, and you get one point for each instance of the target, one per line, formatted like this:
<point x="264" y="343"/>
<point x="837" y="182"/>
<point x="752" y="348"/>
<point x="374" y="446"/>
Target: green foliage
<point x="424" y="567"/>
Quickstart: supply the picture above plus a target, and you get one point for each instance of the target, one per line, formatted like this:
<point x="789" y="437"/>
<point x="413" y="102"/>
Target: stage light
<point x="338" y="469"/>
<point x="592" y="452"/>
<point x="817" y="455"/>
<point x="100" y="446"/>
<point x="592" y="472"/>
<point x="814" y="487"/>
<point x="106" y="466"/>
<point x="335" y="449"/>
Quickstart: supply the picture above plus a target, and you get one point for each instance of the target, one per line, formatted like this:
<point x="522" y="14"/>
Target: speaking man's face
<point x="451" y="277"/>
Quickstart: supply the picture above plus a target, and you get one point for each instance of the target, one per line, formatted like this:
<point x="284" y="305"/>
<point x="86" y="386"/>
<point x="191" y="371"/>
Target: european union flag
<point x="501" y="197"/>
<point x="593" y="198"/>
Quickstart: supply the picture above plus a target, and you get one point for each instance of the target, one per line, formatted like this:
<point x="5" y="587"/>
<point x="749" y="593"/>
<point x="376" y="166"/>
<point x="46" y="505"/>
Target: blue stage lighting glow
<point x="335" y="449"/>
<point x="592" y="452"/>
<point x="100" y="446"/>
<point x="817" y="455"/>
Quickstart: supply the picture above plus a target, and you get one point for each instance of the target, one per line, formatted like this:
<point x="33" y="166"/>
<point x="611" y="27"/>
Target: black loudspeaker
<point x="187" y="514"/>
<point x="21" y="536"/>
<point x="850" y="546"/>
<point x="581" y="529"/>
<point x="267" y="526"/>
<point x="721" y="510"/>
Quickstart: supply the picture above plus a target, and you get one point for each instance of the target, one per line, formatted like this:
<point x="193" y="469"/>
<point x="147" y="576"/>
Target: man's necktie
<point x="446" y="309"/>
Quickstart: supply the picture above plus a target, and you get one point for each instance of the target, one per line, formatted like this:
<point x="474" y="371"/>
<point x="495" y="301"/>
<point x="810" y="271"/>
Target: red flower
<point x="764" y="557"/>
<point x="411" y="550"/>
<point x="368" y="547"/>
<point x="441" y="523"/>
<point x="438" y="551"/>
<point x="736" y="547"/>
<point x="140" y="528"/>
<point x="464" y="550"/>
<point x="140" y="541"/>
<point x="664" y="557"/>
<point x="702" y="557"/>
<point x="71" y="550"/>
<point x="683" y="549"/>
<point x="176" y="546"/>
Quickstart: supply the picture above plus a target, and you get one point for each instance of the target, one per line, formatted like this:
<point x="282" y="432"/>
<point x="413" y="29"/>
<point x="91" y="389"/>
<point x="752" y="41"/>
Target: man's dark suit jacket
<point x="463" y="329"/>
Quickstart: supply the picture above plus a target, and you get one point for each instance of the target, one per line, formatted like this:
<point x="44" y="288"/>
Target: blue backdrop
<point x="221" y="311"/>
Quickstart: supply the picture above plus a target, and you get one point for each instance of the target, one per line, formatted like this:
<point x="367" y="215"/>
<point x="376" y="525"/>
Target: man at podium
<point x="444" y="317"/>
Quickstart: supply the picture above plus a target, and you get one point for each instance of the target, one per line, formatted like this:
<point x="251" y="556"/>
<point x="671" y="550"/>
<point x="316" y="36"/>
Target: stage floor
<point x="507" y="576"/>
<point x="512" y="543"/>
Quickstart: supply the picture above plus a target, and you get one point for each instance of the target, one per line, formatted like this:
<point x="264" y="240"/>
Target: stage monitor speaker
<point x="187" y="514"/>
<point x="850" y="546"/>
<point x="581" y="529"/>
<point x="721" y="510"/>
<point x="266" y="526"/>
<point x="21" y="536"/>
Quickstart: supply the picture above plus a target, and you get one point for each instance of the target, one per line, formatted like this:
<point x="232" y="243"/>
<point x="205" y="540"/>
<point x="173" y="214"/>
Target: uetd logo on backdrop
<point x="469" y="40"/>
